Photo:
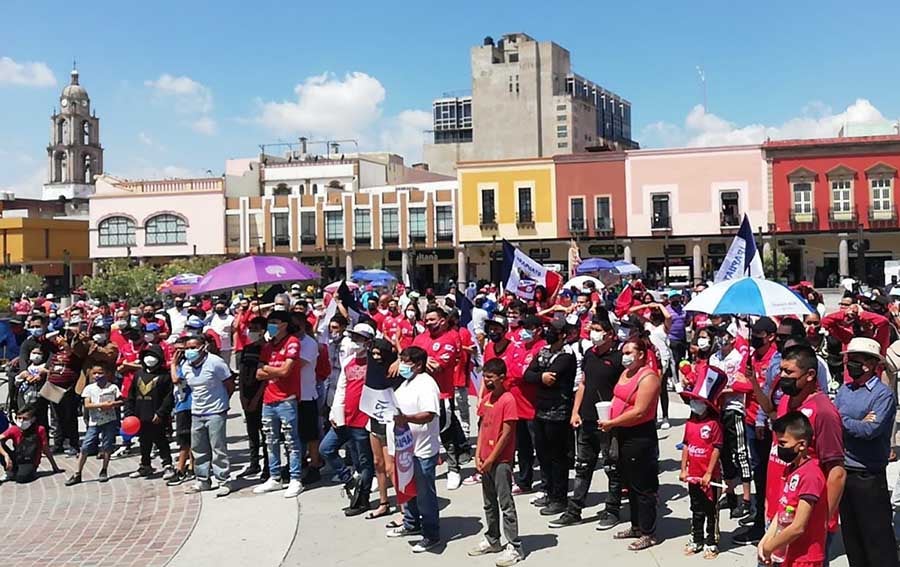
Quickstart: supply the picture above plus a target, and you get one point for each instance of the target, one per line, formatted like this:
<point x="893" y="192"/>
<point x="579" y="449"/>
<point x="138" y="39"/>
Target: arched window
<point x="60" y="165"/>
<point x="116" y="231"/>
<point x="85" y="133"/>
<point x="302" y="189"/>
<point x="60" y="131"/>
<point x="64" y="132"/>
<point x="166" y="229"/>
<point x="315" y="188"/>
<point x="88" y="168"/>
<point x="282" y="189"/>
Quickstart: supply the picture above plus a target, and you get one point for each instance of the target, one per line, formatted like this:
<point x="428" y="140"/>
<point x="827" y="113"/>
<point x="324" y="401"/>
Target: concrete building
<point x="157" y="220"/>
<point x="835" y="205"/>
<point x="54" y="249"/>
<point x="526" y="101"/>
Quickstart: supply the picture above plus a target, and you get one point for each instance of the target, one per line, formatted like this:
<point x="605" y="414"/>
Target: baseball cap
<point x="363" y="330"/>
<point x="496" y="319"/>
<point x="151" y="328"/>
<point x="765" y="325"/>
<point x="194" y="322"/>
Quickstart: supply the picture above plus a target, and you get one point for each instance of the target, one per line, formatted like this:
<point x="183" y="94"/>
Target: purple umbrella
<point x="253" y="270"/>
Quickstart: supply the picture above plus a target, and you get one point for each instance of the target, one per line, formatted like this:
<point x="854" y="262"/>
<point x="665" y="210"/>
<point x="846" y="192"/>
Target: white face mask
<point x="25" y="423"/>
<point x="627" y="360"/>
<point x="254" y="336"/>
<point x="149" y="337"/>
<point x="698" y="407"/>
<point x="703" y="343"/>
<point x="100" y="338"/>
<point x="598" y="337"/>
<point x="411" y="314"/>
<point x="36" y="358"/>
<point x="279" y="307"/>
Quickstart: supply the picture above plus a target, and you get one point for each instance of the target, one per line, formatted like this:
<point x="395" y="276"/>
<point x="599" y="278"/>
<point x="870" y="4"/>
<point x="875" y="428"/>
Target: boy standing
<point x="494" y="461"/>
<point x="251" y="398"/>
<point x="181" y="396"/>
<point x="101" y="398"/>
<point x="150" y="399"/>
<point x="802" y="541"/>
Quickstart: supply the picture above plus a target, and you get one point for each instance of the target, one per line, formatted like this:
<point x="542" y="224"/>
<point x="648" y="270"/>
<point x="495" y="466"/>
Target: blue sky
<point x="181" y="86"/>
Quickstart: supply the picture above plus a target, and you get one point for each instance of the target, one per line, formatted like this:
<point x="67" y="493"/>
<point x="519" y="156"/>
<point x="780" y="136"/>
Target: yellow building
<point x="505" y="199"/>
<point x="43" y="246"/>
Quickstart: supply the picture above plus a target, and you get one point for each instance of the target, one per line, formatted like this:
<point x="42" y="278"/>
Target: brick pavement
<point x="123" y="522"/>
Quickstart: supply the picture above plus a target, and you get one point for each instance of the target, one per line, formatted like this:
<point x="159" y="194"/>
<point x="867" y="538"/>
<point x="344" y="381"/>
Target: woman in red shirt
<point x="409" y="328"/>
<point x="633" y="422"/>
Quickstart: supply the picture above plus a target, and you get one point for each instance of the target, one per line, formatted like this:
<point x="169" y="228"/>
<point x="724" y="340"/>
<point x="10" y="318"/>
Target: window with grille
<point x="281" y="234"/>
<point x="841" y="195"/>
<point x="362" y="226"/>
<point x="417" y="223"/>
<point x="444" y="222"/>
<point x="166" y="229"/>
<point x="308" y="227"/>
<point x="881" y="194"/>
<point x="116" y="231"/>
<point x="334" y="227"/>
<point x="390" y="226"/>
<point x="802" y="198"/>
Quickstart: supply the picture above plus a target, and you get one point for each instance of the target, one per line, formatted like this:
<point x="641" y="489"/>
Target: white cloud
<point x="204" y="125"/>
<point x="145" y="139"/>
<point x="404" y="134"/>
<point x="27" y="74"/>
<point x="189" y="95"/>
<point x="700" y="128"/>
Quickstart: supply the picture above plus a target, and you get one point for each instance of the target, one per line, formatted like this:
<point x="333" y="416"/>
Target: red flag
<point x="625" y="301"/>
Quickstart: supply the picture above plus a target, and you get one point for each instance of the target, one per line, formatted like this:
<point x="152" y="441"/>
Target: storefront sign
<point x="605" y="250"/>
<point x="675" y="250"/>
<point x="539" y="253"/>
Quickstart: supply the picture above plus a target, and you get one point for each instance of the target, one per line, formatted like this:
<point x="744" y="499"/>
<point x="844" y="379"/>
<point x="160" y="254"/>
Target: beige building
<point x="525" y="102"/>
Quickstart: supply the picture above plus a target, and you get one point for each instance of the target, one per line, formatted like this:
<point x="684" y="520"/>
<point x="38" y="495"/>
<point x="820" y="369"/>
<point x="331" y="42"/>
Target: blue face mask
<point x="526" y="335"/>
<point x="272" y="329"/>
<point x="406" y="371"/>
<point x="36" y="333"/>
<point x="192" y="354"/>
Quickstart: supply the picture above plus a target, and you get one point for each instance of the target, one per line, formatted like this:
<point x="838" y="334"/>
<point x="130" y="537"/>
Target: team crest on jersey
<point x="808" y="412"/>
<point x="436" y="346"/>
<point x="705" y="432"/>
<point x="792" y="484"/>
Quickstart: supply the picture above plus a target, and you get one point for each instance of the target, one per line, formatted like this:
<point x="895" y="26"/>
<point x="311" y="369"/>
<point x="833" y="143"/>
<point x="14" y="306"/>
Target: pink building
<point x="157" y="219"/>
<point x="684" y="206"/>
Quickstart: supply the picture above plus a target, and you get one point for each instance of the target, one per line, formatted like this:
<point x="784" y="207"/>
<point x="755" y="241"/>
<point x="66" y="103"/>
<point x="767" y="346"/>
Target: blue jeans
<point x="358" y="438"/>
<point x="422" y="511"/>
<point x="277" y="418"/>
<point x="209" y="445"/>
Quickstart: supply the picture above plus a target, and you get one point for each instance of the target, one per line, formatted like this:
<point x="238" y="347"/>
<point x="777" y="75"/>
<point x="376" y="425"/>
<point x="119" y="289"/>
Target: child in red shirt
<point x="494" y="460"/>
<point x="29" y="440"/>
<point x="797" y="536"/>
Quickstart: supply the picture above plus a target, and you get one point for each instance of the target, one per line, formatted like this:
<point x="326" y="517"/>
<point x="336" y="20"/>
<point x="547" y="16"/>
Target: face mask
<point x="25" y="423"/>
<point x="410" y="314"/>
<point x="787" y="454"/>
<point x="581" y="309"/>
<point x="490" y="385"/>
<point x="149" y="337"/>
<point x="135" y="320"/>
<point x="220" y="310"/>
<point x="495" y="336"/>
<point x="513" y="321"/>
<point x="101" y="379"/>
<point x="150" y="361"/>
<point x="551" y="336"/>
<point x="336" y="335"/>
<point x="789" y="387"/>
<point x="812" y="330"/>
<point x="272" y="329"/>
<point x="36" y="333"/>
<point x="406" y="371"/>
<point x="627" y="360"/>
<point x="192" y="354"/>
<point x="623" y="333"/>
<point x="434" y="327"/>
<point x="36" y="358"/>
<point x="100" y="338"/>
<point x="703" y="343"/>
<point x="698" y="407"/>
<point x="279" y="307"/>
<point x="855" y="369"/>
<point x="757" y="342"/>
<point x="526" y="335"/>
<point x="254" y="336"/>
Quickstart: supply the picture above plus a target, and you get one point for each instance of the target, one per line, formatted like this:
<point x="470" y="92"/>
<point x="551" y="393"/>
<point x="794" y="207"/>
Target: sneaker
<point x="295" y="487"/>
<point x="168" y="472"/>
<point x="251" y="470"/>
<point x="665" y="425"/>
<point x="749" y="535"/>
<point x="692" y="548"/>
<point x="352" y="511"/>
<point x="453" y="480"/>
<point x="553" y="508"/>
<point x="748" y="520"/>
<point x="73" y="480"/>
<point x="103" y="477"/>
<point x="473" y="480"/>
<point x="311" y="475"/>
<point x="742" y="510"/>
<point x="177" y="479"/>
<point x="71" y="452"/>
<point x="271" y="485"/>
<point x="122" y="451"/>
<point x="540" y="502"/>
<point x="403" y="531"/>
<point x="198" y="486"/>
<point x="224" y="489"/>
<point x="484" y="547"/>
<point x="142" y="472"/>
<point x="511" y="556"/>
<point x="424" y="545"/>
<point x="517" y="490"/>
<point x="608" y="520"/>
<point x="537" y="497"/>
<point x="567" y="519"/>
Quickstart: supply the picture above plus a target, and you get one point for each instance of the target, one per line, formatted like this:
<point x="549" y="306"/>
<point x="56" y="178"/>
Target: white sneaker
<point x="484" y="547"/>
<point x="536" y="497"/>
<point x="453" y="480"/>
<point x="3" y="475"/>
<point x="510" y="556"/>
<point x="665" y="425"/>
<point x="294" y="489"/>
<point x="271" y="485"/>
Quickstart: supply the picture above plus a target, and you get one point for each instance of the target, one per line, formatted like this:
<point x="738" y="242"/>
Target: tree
<point x="14" y="284"/>
<point x="121" y="278"/>
<point x="784" y="263"/>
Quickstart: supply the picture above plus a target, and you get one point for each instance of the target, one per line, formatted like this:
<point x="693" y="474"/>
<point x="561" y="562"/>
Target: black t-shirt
<point x="601" y="373"/>
<point x="247" y="381"/>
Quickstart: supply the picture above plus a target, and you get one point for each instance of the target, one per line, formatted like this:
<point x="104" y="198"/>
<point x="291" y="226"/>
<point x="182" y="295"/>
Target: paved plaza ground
<point x="143" y="522"/>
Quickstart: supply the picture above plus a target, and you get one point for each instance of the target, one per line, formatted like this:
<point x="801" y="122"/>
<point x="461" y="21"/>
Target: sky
<point x="182" y="86"/>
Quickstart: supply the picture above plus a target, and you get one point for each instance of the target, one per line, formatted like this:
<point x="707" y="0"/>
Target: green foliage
<point x="194" y="265"/>
<point x="14" y="284"/>
<point x="784" y="263"/>
<point x="121" y="277"/>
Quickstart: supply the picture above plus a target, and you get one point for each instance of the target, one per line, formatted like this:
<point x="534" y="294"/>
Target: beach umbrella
<point x="333" y="287"/>
<point x="593" y="265"/>
<point x="749" y="296"/>
<point x="579" y="281"/>
<point x="182" y="283"/>
<point x="251" y="271"/>
<point x="379" y="276"/>
<point x="626" y="268"/>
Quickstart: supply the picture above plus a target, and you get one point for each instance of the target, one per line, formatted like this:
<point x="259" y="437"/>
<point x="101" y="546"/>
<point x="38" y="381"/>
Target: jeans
<point x="759" y="460"/>
<point x="277" y="418"/>
<point x="496" y="490"/>
<point x="592" y="446"/>
<point x="453" y="439"/>
<point x="551" y="445"/>
<point x="256" y="437"/>
<point x="525" y="455"/>
<point x="358" y="438"/>
<point x="209" y="445"/>
<point x="422" y="511"/>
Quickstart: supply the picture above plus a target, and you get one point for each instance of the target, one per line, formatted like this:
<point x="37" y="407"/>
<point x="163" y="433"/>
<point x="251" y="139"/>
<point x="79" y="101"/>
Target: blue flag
<point x="743" y="258"/>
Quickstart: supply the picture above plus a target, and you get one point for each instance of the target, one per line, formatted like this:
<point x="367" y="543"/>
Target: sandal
<point x="642" y="542"/>
<point x="630" y="533"/>
<point x="384" y="509"/>
<point x="710" y="552"/>
<point x="394" y="524"/>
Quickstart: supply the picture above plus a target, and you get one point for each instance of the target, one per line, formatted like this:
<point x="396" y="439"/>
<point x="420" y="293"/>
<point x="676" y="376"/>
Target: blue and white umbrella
<point x="749" y="296"/>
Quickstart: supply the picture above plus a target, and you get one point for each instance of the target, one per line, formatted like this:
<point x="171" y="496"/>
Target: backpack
<point x="323" y="363"/>
<point x="892" y="357"/>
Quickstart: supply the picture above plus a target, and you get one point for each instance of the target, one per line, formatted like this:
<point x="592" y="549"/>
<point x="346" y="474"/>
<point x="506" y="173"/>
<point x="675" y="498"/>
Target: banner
<point x="743" y="259"/>
<point x="522" y="273"/>
<point x="404" y="468"/>
<point x="465" y="306"/>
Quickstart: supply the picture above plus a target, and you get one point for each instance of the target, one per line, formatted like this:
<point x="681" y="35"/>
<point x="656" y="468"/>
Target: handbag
<point x="53" y="393"/>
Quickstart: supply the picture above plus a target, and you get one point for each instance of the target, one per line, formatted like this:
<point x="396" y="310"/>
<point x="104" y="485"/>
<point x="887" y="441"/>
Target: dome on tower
<point x="73" y="89"/>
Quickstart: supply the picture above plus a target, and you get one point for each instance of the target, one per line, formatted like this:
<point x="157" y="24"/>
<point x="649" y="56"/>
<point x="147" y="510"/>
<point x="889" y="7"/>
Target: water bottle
<point x="785" y="519"/>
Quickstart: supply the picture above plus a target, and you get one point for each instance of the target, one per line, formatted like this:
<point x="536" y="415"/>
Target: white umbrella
<point x="579" y="282"/>
<point x="749" y="296"/>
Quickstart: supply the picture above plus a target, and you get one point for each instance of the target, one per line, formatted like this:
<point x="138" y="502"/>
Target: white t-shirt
<point x="96" y="395"/>
<point x="177" y="319"/>
<point x="660" y="340"/>
<point x="222" y="325"/>
<point x="417" y="395"/>
<point x="309" y="352"/>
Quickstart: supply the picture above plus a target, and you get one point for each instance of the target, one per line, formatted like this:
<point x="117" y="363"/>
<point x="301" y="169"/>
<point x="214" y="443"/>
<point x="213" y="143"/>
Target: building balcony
<point x="841" y="218"/>
<point x="307" y="239"/>
<point x="391" y="239"/>
<point x="577" y="226"/>
<point x="362" y="240"/>
<point x="661" y="223"/>
<point x="603" y="226"/>
<point x="444" y="237"/>
<point x="487" y="221"/>
<point x="804" y="219"/>
<point x="883" y="218"/>
<point x="525" y="219"/>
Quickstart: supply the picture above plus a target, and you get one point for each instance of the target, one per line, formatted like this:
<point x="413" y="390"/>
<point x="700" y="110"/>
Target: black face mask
<point x="787" y="454"/>
<point x="551" y="335"/>
<point x="855" y="369"/>
<point x="220" y="310"/>
<point x="757" y="342"/>
<point x="490" y="385"/>
<point x="495" y="336"/>
<point x="789" y="387"/>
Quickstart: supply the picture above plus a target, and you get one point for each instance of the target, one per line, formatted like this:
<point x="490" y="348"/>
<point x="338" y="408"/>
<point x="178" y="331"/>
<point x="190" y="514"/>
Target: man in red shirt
<point x="280" y="370"/>
<point x="391" y="322"/>
<point x="854" y="321"/>
<point x="443" y="347"/>
<point x="525" y="394"/>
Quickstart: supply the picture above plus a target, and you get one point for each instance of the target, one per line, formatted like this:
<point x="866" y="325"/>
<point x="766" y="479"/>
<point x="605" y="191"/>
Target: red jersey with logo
<point x="275" y="355"/>
<point x="805" y="482"/>
<point x="760" y="368"/>
<point x="525" y="393"/>
<point x="390" y="324"/>
<point x="827" y="445"/>
<point x="584" y="323"/>
<point x="494" y="413"/>
<point x="409" y="330"/>
<point x="702" y="435"/>
<point x="461" y="372"/>
<point x="355" y="376"/>
<point x="445" y="350"/>
<point x="513" y="356"/>
<point x="130" y="353"/>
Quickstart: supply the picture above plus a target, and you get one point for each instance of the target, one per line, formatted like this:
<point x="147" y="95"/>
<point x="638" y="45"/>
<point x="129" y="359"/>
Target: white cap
<point x="363" y="330"/>
<point x="50" y="296"/>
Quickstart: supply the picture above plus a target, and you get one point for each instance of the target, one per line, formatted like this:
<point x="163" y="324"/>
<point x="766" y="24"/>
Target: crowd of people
<point x="791" y="424"/>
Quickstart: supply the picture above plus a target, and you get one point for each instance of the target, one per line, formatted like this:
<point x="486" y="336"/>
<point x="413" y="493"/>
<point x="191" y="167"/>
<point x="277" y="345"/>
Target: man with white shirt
<point x="308" y="416"/>
<point x="222" y="323"/>
<point x="177" y="318"/>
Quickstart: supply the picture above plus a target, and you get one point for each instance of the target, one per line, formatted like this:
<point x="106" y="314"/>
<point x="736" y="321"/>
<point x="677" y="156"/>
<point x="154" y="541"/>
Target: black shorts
<point x="308" y="420"/>
<point x="183" y="429"/>
<point x="379" y="430"/>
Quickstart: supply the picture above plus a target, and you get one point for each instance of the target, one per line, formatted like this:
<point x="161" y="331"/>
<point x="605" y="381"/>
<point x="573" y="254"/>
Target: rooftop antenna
<point x="702" y="77"/>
